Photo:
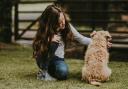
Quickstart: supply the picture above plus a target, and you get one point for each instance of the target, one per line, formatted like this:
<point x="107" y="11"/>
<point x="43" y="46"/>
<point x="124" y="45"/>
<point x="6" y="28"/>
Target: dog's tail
<point x="95" y="83"/>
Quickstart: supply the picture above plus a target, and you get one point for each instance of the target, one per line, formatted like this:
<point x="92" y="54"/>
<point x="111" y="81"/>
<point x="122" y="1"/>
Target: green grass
<point x="18" y="71"/>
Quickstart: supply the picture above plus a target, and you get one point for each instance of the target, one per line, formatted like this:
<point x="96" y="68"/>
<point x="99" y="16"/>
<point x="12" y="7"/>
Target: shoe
<point x="40" y="75"/>
<point x="43" y="75"/>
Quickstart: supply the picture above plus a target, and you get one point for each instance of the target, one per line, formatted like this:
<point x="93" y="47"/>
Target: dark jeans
<point x="56" y="66"/>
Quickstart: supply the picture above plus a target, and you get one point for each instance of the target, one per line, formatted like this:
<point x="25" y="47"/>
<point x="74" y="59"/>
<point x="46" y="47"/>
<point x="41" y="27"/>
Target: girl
<point x="51" y="39"/>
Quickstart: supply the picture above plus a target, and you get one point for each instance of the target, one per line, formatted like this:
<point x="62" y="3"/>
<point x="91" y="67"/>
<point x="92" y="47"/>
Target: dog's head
<point x="103" y="35"/>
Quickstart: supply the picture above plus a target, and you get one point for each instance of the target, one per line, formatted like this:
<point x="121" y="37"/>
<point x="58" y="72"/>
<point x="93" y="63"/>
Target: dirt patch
<point x="3" y="45"/>
<point x="11" y="46"/>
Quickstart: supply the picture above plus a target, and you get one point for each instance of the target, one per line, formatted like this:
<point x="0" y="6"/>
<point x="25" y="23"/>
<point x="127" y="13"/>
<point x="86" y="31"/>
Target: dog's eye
<point x="109" y="38"/>
<point x="106" y="37"/>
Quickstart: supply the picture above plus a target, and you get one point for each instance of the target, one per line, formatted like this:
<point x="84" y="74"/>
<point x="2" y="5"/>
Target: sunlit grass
<point x="18" y="71"/>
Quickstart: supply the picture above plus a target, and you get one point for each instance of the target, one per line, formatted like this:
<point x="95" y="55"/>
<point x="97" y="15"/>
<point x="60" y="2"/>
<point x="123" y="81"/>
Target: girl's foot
<point x="43" y="75"/>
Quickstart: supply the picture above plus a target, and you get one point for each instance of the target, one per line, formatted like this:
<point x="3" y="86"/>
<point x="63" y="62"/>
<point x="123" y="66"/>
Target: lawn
<point x="18" y="71"/>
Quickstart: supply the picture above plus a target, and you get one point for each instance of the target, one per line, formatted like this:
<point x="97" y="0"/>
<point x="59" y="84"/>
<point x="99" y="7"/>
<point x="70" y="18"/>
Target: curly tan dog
<point x="95" y="69"/>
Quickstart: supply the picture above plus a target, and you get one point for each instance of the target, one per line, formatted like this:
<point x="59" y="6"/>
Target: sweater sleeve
<point x="80" y="38"/>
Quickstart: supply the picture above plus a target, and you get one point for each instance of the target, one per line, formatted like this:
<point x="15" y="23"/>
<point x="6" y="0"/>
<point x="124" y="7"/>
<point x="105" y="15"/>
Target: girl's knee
<point x="61" y="72"/>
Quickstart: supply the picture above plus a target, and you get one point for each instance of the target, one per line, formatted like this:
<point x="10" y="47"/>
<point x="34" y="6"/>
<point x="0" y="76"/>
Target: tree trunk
<point x="5" y="21"/>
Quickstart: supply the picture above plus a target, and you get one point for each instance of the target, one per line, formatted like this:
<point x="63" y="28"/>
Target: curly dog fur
<point x="95" y="69"/>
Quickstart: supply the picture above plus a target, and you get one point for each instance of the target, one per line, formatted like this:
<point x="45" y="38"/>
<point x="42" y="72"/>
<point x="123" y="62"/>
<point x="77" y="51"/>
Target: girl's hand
<point x="56" y="38"/>
<point x="109" y="44"/>
<point x="93" y="33"/>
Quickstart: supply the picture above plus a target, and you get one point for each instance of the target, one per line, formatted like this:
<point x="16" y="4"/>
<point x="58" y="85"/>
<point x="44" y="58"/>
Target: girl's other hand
<point x="56" y="38"/>
<point x="109" y="44"/>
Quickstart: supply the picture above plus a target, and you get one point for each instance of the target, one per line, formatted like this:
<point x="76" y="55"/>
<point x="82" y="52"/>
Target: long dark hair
<point x="48" y="24"/>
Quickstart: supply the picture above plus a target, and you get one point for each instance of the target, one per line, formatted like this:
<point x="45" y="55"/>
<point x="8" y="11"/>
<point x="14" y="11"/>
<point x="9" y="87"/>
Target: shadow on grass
<point x="31" y="76"/>
<point x="75" y="76"/>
